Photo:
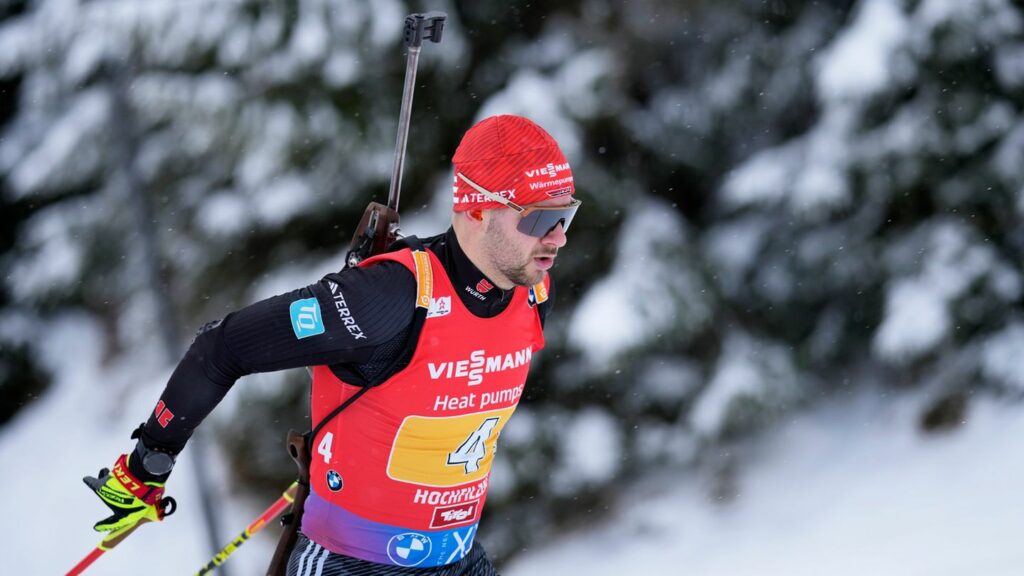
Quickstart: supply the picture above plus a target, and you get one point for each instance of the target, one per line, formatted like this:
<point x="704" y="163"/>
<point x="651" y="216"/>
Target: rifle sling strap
<point x="424" y="285"/>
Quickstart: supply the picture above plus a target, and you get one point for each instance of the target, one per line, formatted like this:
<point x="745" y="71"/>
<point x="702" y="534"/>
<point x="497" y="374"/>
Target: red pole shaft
<point x="109" y="541"/>
<point x="274" y="511"/>
<point x="86" y="562"/>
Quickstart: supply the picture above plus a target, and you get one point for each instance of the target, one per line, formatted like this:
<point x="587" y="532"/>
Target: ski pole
<point x="111" y="540"/>
<point x="269" y="514"/>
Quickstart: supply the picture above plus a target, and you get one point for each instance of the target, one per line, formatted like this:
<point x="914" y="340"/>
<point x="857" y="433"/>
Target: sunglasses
<point x="536" y="221"/>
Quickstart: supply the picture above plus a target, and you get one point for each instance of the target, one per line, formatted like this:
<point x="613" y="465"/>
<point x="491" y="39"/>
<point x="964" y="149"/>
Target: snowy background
<point x="788" y="327"/>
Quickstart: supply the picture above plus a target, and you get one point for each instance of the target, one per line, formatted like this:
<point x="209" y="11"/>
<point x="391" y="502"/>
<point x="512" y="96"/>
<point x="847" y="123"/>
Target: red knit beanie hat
<point x="513" y="158"/>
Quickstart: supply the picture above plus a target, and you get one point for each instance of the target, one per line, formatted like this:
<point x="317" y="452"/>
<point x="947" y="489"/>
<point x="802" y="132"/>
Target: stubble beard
<point x="509" y="262"/>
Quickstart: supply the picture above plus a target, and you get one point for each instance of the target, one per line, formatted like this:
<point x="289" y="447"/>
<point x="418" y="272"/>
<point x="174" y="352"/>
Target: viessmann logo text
<point x="551" y="170"/>
<point x="478" y="364"/>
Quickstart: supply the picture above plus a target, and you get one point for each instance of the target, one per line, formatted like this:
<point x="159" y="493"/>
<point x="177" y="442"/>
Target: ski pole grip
<point x="420" y="27"/>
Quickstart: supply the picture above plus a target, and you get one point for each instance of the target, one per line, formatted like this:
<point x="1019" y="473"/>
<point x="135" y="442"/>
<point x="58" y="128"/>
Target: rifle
<point x="378" y="227"/>
<point x="377" y="230"/>
<point x="299" y="452"/>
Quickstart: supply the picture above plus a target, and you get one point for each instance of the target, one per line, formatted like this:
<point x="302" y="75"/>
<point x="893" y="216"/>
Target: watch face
<point x="157" y="463"/>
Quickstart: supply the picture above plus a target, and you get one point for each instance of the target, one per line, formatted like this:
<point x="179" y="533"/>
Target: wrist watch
<point x="154" y="461"/>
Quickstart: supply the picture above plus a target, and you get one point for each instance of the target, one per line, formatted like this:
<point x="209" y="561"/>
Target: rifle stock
<point x="299" y="452"/>
<point x="377" y="229"/>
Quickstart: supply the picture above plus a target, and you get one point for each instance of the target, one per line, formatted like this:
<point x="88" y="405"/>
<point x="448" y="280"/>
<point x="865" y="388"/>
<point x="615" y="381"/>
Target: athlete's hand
<point x="132" y="500"/>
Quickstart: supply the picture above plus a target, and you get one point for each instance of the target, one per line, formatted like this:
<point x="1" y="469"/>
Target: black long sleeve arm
<point x="359" y="309"/>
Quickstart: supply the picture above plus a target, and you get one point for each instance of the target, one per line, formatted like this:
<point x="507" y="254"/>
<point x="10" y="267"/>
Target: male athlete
<point x="440" y="330"/>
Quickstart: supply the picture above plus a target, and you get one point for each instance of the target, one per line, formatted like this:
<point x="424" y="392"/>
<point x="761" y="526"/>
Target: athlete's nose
<point x="556" y="237"/>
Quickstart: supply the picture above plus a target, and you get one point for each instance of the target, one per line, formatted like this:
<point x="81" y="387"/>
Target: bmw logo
<point x="334" y="481"/>
<point x="408" y="549"/>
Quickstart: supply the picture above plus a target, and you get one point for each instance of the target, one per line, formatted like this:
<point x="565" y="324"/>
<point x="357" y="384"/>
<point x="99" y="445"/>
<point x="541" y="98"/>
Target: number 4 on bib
<point x="474" y="448"/>
<point x="324" y="447"/>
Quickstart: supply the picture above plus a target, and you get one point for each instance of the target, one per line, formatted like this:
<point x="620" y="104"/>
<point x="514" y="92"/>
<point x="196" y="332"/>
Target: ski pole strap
<point x="151" y="495"/>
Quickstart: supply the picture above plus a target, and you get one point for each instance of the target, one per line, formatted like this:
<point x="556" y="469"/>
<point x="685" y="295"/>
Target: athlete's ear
<point x="467" y="220"/>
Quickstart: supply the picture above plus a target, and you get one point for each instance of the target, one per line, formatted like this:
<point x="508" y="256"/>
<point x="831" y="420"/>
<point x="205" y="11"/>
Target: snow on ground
<point x="74" y="430"/>
<point x="851" y="489"/>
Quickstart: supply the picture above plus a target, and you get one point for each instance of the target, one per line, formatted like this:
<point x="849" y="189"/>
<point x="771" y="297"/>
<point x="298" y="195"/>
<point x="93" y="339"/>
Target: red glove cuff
<point x="151" y="495"/>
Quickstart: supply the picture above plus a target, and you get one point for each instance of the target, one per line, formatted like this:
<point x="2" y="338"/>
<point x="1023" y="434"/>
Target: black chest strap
<point x="424" y="291"/>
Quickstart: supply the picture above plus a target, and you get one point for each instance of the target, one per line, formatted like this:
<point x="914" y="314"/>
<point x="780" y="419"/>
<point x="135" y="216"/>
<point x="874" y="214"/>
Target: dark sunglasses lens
<point x="540" y="222"/>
